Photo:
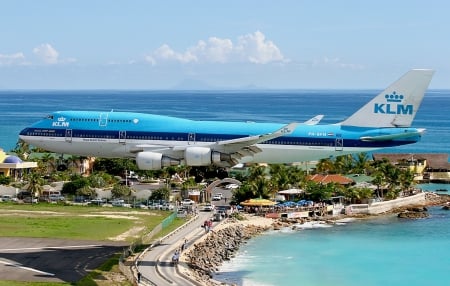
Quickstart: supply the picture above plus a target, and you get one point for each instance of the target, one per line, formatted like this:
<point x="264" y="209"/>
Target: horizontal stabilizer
<point x="388" y="137"/>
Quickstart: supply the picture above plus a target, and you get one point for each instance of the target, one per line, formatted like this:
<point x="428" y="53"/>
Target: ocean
<point x="384" y="250"/>
<point x="381" y="251"/>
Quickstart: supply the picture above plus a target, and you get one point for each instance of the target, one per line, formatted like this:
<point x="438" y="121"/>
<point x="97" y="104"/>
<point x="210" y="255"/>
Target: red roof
<point x="325" y="179"/>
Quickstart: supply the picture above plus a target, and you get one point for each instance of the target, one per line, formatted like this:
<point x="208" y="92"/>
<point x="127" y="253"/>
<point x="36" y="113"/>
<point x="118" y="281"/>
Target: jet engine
<point x="154" y="161"/>
<point x="204" y="156"/>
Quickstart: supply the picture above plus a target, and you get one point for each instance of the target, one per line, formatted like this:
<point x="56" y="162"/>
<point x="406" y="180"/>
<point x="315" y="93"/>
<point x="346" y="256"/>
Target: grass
<point x="79" y="222"/>
<point x="73" y="222"/>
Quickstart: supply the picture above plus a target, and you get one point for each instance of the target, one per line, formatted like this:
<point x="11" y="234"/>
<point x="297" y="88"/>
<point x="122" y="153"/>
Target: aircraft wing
<point x="245" y="146"/>
<point x="251" y="140"/>
<point x="236" y="148"/>
<point x="313" y="121"/>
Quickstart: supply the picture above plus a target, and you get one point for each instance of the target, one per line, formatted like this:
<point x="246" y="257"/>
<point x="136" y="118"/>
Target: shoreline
<point x="207" y="254"/>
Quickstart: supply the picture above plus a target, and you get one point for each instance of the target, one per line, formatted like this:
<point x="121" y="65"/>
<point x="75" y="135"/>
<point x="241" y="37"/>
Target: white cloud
<point x="258" y="50"/>
<point x="215" y="50"/>
<point x="46" y="53"/>
<point x="167" y="54"/>
<point x="12" y="59"/>
<point x="252" y="48"/>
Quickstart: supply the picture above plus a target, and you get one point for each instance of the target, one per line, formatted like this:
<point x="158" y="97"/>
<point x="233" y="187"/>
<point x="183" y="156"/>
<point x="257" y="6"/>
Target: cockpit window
<point x="49" y="116"/>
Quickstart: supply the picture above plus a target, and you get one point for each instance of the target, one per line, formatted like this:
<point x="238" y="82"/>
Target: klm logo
<point x="393" y="105"/>
<point x="61" y="122"/>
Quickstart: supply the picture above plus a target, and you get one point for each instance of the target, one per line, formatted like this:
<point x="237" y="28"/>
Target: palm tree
<point x="279" y="177"/>
<point x="74" y="162"/>
<point x="35" y="183"/>
<point x="22" y="149"/>
<point x="256" y="171"/>
<point x="325" y="166"/>
<point x="361" y="163"/>
<point x="49" y="162"/>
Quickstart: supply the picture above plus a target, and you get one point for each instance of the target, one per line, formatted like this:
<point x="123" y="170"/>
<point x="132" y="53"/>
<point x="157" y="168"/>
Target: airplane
<point x="157" y="141"/>
<point x="315" y="120"/>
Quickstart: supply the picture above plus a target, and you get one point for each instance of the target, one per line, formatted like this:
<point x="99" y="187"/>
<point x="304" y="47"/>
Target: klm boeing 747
<point x="156" y="141"/>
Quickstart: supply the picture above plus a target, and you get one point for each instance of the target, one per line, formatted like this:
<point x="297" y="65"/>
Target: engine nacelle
<point x="204" y="156"/>
<point x="154" y="161"/>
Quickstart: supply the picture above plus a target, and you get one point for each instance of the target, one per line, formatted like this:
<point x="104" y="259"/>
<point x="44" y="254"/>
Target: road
<point x="155" y="265"/>
<point x="52" y="260"/>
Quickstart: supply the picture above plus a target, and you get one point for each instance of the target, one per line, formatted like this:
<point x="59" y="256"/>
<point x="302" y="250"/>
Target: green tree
<point x="279" y="178"/>
<point x="35" y="183"/>
<point x="319" y="192"/>
<point x="76" y="183"/>
<point x="22" y="149"/>
<point x="86" y="191"/>
<point x="4" y="180"/>
<point x="361" y="164"/>
<point x="120" y="191"/>
<point x="326" y="166"/>
<point x="115" y="167"/>
<point x="160" y="194"/>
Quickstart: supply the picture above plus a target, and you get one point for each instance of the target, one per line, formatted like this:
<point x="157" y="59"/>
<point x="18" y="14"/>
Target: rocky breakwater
<point x="414" y="213"/>
<point x="204" y="257"/>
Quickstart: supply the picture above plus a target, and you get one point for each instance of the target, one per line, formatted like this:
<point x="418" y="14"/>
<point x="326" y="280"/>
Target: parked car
<point x="97" y="202"/>
<point x="56" y="198"/>
<point x="118" y="203"/>
<point x="6" y="198"/>
<point x="23" y="194"/>
<point x="168" y="207"/>
<point x="30" y="200"/>
<point x="187" y="202"/>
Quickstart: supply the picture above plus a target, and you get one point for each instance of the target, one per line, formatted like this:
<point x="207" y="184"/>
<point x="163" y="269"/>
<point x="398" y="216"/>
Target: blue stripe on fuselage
<point x="106" y="125"/>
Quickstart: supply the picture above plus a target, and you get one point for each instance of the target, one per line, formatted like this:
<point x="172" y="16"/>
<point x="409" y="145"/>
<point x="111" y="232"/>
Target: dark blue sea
<point x="382" y="251"/>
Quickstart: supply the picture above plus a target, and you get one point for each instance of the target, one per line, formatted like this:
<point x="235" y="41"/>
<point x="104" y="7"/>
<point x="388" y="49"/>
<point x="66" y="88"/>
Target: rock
<point x="414" y="213"/>
<point x="219" y="246"/>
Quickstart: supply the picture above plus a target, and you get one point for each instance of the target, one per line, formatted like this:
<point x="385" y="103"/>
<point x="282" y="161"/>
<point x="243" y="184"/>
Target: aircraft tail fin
<point x="397" y="105"/>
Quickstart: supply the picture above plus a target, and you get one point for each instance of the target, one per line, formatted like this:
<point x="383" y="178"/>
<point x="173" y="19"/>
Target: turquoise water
<point x="431" y="187"/>
<point x="380" y="251"/>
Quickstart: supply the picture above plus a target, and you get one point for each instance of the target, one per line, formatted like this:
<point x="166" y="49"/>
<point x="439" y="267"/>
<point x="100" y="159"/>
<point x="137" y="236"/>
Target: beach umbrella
<point x="259" y="202"/>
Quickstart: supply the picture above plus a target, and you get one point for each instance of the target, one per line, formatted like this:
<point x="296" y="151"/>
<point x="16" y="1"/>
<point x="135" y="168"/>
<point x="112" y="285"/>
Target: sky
<point x="233" y="44"/>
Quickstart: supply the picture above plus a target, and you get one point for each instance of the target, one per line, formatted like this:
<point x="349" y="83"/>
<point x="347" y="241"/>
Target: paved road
<point x="51" y="260"/>
<point x="155" y="265"/>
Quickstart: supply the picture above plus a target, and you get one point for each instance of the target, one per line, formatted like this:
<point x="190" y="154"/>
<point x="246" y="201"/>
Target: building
<point x="429" y="167"/>
<point x="13" y="166"/>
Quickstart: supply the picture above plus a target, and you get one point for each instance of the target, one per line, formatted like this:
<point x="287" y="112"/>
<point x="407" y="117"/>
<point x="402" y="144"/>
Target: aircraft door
<point x="69" y="135"/>
<point x="122" y="137"/>
<point x="339" y="144"/>
<point x="191" y="138"/>
<point x="103" y="120"/>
